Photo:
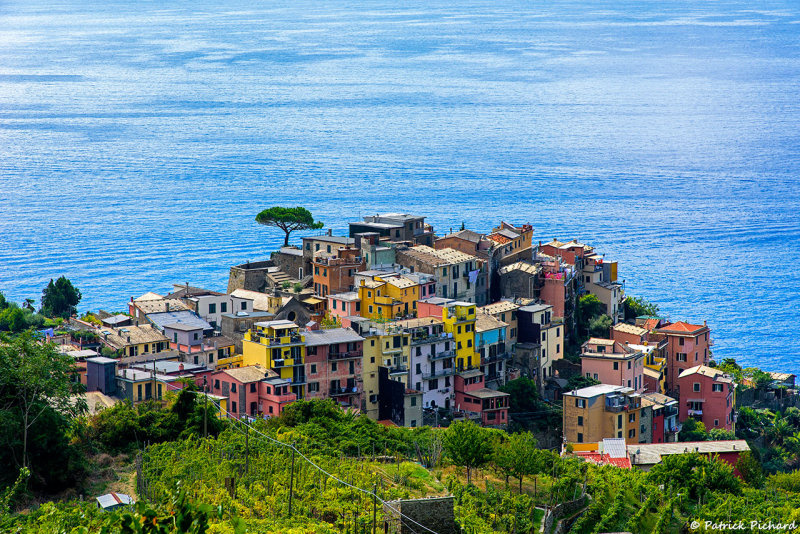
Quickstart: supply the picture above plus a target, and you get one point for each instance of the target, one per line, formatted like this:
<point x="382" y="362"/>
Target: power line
<point x="320" y="469"/>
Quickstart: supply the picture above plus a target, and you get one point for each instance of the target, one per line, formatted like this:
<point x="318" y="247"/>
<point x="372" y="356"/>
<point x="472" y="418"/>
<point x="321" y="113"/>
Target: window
<point x="558" y="348"/>
<point x="413" y="401"/>
<point x="580" y="437"/>
<point x="469" y="343"/>
<point x="233" y="407"/>
<point x="716" y="388"/>
<point x="631" y="417"/>
<point x="333" y="367"/>
<point x="253" y="387"/>
<point x="619" y="420"/>
<point x="419" y="368"/>
<point x="588" y="375"/>
<point x="313" y="368"/>
<point x="681" y="341"/>
<point x="580" y="403"/>
<point x="595" y="376"/>
<point x="223" y="307"/>
<point x="216" y="384"/>
<point x="370" y="310"/>
<point x="372" y="343"/>
<point x="174" y="337"/>
<point x="696" y="386"/>
<point x="433" y="384"/>
<point x="271" y="409"/>
<point x="195" y="336"/>
<point x="629" y="365"/>
<point x="212" y="308"/>
<point x="616" y="366"/>
<point x="632" y="433"/>
<point x="413" y="423"/>
<point x="716" y="422"/>
<point x="244" y="305"/>
<point x="580" y="420"/>
<point x="680" y="356"/>
<point x="233" y="387"/>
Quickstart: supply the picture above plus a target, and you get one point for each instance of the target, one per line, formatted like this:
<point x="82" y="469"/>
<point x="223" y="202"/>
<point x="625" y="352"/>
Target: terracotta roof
<point x="119" y="337"/>
<point x="682" y="328"/>
<point x="651" y="324"/>
<point x="605" y="459"/>
<point x="499" y="238"/>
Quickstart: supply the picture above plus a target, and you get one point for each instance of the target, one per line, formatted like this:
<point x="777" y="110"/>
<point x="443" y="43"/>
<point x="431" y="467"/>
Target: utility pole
<point x="205" y="410"/>
<point x="154" y="379"/>
<point x="374" y="507"/>
<point x="247" y="449"/>
<point x="291" y="483"/>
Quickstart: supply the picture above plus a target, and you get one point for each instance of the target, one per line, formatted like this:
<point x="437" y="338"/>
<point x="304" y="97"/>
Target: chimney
<point x="166" y="306"/>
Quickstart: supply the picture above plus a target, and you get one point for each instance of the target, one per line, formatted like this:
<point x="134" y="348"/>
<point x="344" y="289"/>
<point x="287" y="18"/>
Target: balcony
<point x="353" y="354"/>
<point x="695" y="412"/>
<point x="496" y="358"/>
<point x="438" y="374"/>
<point x="398" y="370"/>
<point x="425" y="340"/>
<point x="445" y="354"/>
<point x="338" y="392"/>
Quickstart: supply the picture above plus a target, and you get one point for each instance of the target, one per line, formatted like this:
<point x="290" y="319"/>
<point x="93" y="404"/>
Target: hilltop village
<point x="415" y="329"/>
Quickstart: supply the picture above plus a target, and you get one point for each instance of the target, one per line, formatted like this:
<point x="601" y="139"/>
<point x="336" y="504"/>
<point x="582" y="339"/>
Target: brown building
<point x="334" y="274"/>
<point x="602" y="411"/>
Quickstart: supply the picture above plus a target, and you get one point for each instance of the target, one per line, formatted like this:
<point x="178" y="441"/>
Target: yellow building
<point x="602" y="411"/>
<point x="132" y="341"/>
<point x="459" y="321"/>
<point x="385" y="345"/>
<point x="388" y="298"/>
<point x="280" y="346"/>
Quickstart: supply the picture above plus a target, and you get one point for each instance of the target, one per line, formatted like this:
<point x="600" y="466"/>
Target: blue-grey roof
<point x="168" y="367"/>
<point x="116" y="319"/>
<point x="188" y="318"/>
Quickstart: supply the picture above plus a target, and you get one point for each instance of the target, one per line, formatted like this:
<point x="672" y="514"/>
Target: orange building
<point x="335" y="274"/>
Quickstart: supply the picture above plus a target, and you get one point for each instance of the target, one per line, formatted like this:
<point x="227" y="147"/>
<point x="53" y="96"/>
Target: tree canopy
<point x="638" y="307"/>
<point x="288" y="220"/>
<point x="36" y="410"/>
<point x="60" y="298"/>
<point x="468" y="445"/>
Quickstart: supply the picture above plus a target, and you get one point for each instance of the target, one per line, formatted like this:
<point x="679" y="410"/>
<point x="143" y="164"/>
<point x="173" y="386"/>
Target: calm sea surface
<point x="139" y="139"/>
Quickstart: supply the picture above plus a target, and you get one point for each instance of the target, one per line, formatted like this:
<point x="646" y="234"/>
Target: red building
<point x="707" y="394"/>
<point x="473" y="397"/>
<point x="333" y="365"/>
<point x="335" y="274"/>
<point x="250" y="391"/>
<point x="687" y="346"/>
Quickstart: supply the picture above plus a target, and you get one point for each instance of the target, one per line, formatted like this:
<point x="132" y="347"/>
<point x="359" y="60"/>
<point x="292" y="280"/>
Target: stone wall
<point x="251" y="276"/>
<point x="565" y="509"/>
<point x="436" y="514"/>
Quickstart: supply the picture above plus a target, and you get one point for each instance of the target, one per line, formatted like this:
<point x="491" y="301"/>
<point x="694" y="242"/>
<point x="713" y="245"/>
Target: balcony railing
<point x="496" y="357"/>
<point x="336" y="392"/>
<point x="353" y="354"/>
<point x="424" y="340"/>
<point x="445" y="354"/>
<point x="438" y="374"/>
<point x="695" y="412"/>
<point x="400" y="369"/>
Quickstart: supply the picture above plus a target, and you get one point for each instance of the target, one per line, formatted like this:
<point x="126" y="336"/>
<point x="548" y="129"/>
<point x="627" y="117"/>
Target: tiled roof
<point x="486" y="393"/>
<point x="260" y="300"/>
<point x="704" y="370"/>
<point x="467" y="235"/>
<point x="651" y="324"/>
<point x="330" y="336"/>
<point x="118" y="337"/>
<point x="161" y="305"/>
<point x="499" y="307"/>
<point x="148" y="296"/>
<point x="184" y="317"/>
<point x="682" y="328"/>
<point x="605" y="459"/>
<point x="484" y="323"/>
<point x="629" y="329"/>
<point x="524" y="266"/>
<point x="191" y="291"/>
<point x="499" y="238"/>
<point x="651" y="453"/>
<point x="251" y="373"/>
<point x="659" y="398"/>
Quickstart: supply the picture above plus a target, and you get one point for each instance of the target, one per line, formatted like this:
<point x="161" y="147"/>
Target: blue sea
<point x="139" y="139"/>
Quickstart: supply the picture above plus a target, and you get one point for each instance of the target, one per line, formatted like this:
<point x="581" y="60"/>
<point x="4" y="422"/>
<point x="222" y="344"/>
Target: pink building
<point x="342" y="306"/>
<point x="250" y="391"/>
<point x="333" y="365"/>
<point x="473" y="397"/>
<point x="707" y="394"/>
<point x="613" y="363"/>
<point x="687" y="347"/>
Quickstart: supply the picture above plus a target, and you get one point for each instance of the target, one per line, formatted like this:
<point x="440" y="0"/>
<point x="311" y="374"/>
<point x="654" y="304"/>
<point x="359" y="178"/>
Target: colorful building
<point x="432" y="361"/>
<point x="278" y="345"/>
<point x="251" y="391"/>
<point x="474" y="399"/>
<point x="457" y="274"/>
<point x="342" y="306"/>
<point x="334" y="365"/>
<point x="687" y="346"/>
<point x="611" y="362"/>
<point x="458" y="319"/>
<point x="388" y="297"/>
<point x="492" y="349"/>
<point x="602" y="411"/>
<point x="335" y="274"/>
<point x="664" y="418"/>
<point x="708" y="395"/>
